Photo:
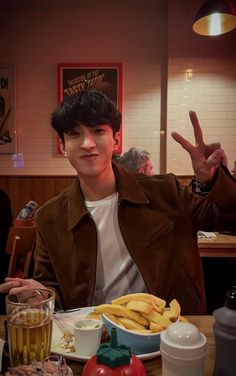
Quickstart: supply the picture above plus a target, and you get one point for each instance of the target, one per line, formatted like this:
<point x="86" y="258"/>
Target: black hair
<point x="89" y="108"/>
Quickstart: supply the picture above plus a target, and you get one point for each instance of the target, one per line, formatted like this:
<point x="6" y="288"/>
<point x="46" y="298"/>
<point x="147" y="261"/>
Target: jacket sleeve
<point x="223" y="191"/>
<point x="216" y="211"/>
<point x="43" y="270"/>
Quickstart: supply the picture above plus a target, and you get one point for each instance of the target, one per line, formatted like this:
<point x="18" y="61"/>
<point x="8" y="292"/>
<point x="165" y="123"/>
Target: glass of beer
<point x="29" y="321"/>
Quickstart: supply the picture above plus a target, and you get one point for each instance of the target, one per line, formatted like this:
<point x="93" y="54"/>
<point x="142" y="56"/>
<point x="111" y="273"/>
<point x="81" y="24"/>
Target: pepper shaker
<point x="224" y="329"/>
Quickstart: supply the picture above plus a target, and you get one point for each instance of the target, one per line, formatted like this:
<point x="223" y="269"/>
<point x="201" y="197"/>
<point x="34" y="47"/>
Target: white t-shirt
<point x="116" y="272"/>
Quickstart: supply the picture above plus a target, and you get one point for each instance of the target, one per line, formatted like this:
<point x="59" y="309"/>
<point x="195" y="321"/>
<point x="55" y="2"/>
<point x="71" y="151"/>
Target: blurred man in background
<point x="137" y="161"/>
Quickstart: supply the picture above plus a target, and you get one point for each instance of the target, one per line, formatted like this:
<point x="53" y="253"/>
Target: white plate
<point x="66" y="321"/>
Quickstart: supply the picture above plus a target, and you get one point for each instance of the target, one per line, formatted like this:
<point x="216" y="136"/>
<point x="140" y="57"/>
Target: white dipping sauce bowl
<point x="87" y="336"/>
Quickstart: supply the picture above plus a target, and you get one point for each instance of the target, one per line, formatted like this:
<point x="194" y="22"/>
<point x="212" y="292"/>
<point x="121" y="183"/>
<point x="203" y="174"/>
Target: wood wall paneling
<point x="22" y="189"/>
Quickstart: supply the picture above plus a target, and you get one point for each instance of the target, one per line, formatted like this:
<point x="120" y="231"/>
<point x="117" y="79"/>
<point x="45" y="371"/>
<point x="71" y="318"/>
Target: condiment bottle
<point x="225" y="336"/>
<point x="114" y="360"/>
<point x="28" y="211"/>
<point x="183" y="349"/>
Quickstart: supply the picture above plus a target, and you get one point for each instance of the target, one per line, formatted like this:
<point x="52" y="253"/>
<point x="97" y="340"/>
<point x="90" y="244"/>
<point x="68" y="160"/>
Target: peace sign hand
<point x="205" y="158"/>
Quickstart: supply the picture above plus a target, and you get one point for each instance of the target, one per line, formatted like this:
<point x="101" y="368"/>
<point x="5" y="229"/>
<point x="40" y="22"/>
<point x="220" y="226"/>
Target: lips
<point x="89" y="157"/>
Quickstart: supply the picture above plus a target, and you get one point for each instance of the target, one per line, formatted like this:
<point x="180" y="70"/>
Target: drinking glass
<point x="29" y="321"/>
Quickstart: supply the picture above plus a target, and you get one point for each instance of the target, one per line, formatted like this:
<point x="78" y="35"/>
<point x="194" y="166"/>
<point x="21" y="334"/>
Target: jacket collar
<point x="128" y="188"/>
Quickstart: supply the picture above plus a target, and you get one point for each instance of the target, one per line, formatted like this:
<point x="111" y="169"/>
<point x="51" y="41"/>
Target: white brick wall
<point x="207" y="86"/>
<point x="37" y="35"/>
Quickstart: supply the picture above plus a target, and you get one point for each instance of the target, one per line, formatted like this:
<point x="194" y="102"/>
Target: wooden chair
<point x="20" y="246"/>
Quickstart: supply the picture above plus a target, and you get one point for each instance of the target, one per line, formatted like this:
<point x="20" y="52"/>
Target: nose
<point x="88" y="142"/>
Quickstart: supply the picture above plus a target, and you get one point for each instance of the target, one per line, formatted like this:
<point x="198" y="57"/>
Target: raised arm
<point x="205" y="158"/>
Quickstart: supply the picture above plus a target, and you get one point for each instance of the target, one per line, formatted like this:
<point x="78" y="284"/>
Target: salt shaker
<point x="224" y="329"/>
<point x="183" y="349"/>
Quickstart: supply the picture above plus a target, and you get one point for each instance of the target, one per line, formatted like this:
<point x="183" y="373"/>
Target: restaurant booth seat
<point x="20" y="247"/>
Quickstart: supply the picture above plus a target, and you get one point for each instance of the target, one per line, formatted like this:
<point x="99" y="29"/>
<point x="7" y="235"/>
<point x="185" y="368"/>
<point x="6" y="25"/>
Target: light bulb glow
<point x="215" y="24"/>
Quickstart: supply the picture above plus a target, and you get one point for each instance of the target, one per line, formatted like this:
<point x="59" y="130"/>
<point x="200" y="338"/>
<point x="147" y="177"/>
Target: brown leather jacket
<point x="158" y="218"/>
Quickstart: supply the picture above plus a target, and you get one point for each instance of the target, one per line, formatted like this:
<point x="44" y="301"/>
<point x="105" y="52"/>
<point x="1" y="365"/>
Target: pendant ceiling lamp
<point x="215" y="17"/>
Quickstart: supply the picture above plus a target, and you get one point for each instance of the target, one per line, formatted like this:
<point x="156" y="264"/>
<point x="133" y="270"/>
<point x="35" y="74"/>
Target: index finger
<point x="183" y="142"/>
<point x="196" y="128"/>
<point x="7" y="286"/>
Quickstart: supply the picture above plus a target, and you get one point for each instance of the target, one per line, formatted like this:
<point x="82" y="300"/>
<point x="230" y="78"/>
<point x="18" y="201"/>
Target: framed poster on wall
<point x="107" y="77"/>
<point x="7" y="110"/>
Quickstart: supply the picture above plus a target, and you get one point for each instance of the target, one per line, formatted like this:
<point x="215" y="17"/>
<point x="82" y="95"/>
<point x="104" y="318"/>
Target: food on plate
<point x="122" y="312"/>
<point x="98" y="316"/>
<point x="85" y="324"/>
<point x="68" y="338"/>
<point x="183" y="319"/>
<point x="155" y="328"/>
<point x="174" y="312"/>
<point x="52" y="366"/>
<point x="141" y="312"/>
<point x="114" y="319"/>
<point x="142" y="297"/>
<point x="93" y="315"/>
<point x="135" y="305"/>
<point x="130" y="324"/>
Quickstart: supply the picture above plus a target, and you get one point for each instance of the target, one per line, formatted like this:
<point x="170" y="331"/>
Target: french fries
<point x="135" y="305"/>
<point x="174" y="312"/>
<point x="141" y="313"/>
<point x="122" y="312"/>
<point x="142" y="297"/>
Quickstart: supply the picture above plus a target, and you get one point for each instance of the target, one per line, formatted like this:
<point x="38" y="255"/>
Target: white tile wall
<point x="37" y="35"/>
<point x="207" y="86"/>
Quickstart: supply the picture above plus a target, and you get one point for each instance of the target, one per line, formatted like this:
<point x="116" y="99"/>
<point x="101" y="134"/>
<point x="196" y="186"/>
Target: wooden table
<point x="153" y="366"/>
<point x="221" y="246"/>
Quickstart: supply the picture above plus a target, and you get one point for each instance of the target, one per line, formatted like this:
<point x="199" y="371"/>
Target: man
<point x="137" y="161"/>
<point x="112" y="232"/>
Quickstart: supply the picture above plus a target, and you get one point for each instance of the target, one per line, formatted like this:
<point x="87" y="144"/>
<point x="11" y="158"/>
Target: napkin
<point x="206" y="235"/>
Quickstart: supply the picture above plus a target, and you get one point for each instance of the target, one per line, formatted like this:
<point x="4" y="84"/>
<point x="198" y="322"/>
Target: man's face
<point x="147" y="169"/>
<point x="89" y="149"/>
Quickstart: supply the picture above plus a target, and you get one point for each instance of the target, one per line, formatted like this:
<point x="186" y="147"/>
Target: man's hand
<point x="15" y="285"/>
<point x="205" y="158"/>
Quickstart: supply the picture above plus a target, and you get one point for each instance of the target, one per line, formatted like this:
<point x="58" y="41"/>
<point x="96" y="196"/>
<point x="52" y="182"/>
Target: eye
<point x="99" y="130"/>
<point x="73" y="134"/>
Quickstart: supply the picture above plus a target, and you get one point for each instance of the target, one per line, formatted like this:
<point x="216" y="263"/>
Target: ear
<point x="141" y="170"/>
<point x="62" y="147"/>
<point x="116" y="141"/>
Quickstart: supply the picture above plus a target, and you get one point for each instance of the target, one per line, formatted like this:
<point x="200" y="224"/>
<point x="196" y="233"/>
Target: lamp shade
<point x="215" y="17"/>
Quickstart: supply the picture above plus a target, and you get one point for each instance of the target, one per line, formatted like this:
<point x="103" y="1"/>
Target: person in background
<point x="234" y="170"/>
<point x="137" y="161"/>
<point x="113" y="232"/>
